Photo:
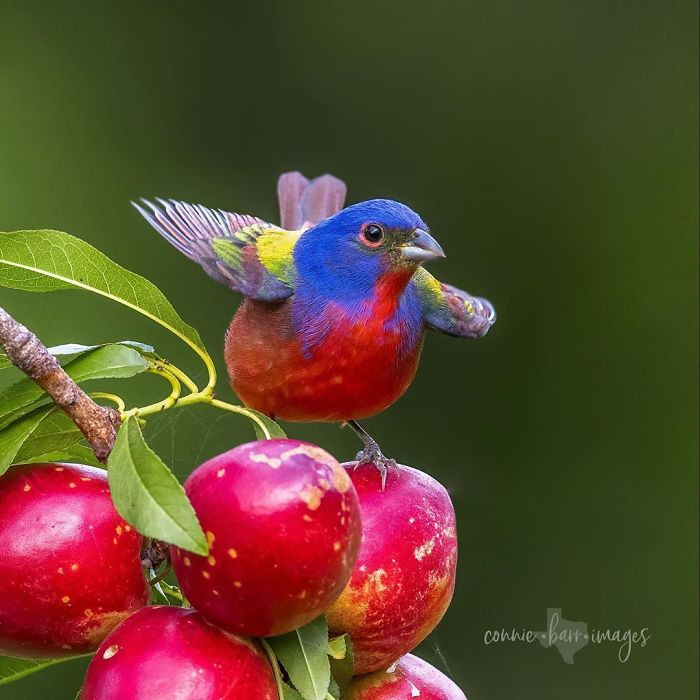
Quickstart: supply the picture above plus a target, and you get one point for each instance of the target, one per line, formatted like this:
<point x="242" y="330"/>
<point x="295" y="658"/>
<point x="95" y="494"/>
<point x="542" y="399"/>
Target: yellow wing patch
<point x="275" y="253"/>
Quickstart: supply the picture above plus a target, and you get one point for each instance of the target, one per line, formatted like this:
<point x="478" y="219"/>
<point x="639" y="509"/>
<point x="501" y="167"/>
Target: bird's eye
<point x="372" y="234"/>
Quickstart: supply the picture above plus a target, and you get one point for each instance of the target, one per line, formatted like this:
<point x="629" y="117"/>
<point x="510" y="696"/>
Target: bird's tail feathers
<point x="305" y="203"/>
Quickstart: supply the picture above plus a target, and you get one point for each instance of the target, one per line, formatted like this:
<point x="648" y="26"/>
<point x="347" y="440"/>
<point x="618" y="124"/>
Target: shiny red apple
<point x="283" y="524"/>
<point x="70" y="566"/>
<point x="172" y="653"/>
<point x="404" y="577"/>
<point x="409" y="678"/>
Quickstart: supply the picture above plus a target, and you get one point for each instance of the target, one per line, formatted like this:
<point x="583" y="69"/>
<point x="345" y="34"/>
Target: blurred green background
<point x="552" y="148"/>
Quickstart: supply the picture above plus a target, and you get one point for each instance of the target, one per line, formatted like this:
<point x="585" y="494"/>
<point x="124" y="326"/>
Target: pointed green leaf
<point x="55" y="433"/>
<point x="45" y="261"/>
<point x="342" y="661"/>
<point x="337" y="646"/>
<point x="290" y="693"/>
<point x="272" y="428"/>
<point x="12" y="669"/>
<point x="17" y="434"/>
<point x="76" y="454"/>
<point x="147" y="494"/>
<point x="44" y="435"/>
<point x="165" y="590"/>
<point x="304" y="655"/>
<point x="70" y="350"/>
<point x="106" y="362"/>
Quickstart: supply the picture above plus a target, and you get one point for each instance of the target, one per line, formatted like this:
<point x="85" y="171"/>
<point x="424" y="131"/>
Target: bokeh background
<point x="551" y="146"/>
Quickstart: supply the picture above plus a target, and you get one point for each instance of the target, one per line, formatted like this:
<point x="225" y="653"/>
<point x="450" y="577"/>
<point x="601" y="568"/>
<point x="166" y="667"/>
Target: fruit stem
<point x="183" y="378"/>
<point x="244" y="412"/>
<point x="275" y="667"/>
<point x="168" y="402"/>
<point x="157" y="579"/>
<point x="116" y="400"/>
<point x="209" y="388"/>
<point x="176" y="376"/>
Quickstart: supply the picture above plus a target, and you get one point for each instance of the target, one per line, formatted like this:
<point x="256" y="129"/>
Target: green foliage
<point x="147" y="494"/>
<point x="44" y="431"/>
<point x="55" y="433"/>
<point x="76" y="454"/>
<point x="304" y="655"/>
<point x="12" y="669"/>
<point x="143" y="489"/>
<point x="103" y="362"/>
<point x="342" y="661"/>
<point x="271" y="428"/>
<point x="290" y="693"/>
<point x="33" y="431"/>
<point x="46" y="261"/>
<point x="68" y="351"/>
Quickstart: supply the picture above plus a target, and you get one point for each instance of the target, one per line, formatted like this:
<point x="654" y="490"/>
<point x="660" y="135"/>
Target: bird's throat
<point x="391" y="284"/>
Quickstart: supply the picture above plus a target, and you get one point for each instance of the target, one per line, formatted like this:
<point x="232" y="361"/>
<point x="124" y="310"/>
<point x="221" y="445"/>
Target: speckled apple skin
<point x="283" y="523"/>
<point x="70" y="566"/>
<point x="404" y="577"/>
<point x="408" y="679"/>
<point x="172" y="653"/>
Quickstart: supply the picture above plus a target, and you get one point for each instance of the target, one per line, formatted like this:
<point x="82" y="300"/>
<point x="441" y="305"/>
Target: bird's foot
<point x="371" y="454"/>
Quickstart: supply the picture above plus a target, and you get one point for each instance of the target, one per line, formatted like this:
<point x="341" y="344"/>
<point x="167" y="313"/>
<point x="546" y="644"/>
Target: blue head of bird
<point x="345" y="255"/>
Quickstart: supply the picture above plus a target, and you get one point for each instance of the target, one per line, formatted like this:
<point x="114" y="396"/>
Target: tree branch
<point x="97" y="423"/>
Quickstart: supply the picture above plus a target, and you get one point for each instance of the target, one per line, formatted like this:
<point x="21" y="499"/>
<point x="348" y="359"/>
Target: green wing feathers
<point x="243" y="252"/>
<point x="451" y="310"/>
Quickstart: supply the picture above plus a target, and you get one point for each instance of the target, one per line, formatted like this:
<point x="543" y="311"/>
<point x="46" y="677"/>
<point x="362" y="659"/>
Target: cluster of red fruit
<point x="292" y="535"/>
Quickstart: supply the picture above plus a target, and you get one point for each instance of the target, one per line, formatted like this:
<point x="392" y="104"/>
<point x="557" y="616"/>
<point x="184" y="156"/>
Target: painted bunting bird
<point x="336" y="299"/>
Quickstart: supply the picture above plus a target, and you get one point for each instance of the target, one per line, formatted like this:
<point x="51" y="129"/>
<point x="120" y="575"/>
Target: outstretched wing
<point x="243" y="252"/>
<point x="450" y="310"/>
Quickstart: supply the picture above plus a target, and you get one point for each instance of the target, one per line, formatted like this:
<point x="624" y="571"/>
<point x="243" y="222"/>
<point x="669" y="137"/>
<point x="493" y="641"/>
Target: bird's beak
<point x="422" y="248"/>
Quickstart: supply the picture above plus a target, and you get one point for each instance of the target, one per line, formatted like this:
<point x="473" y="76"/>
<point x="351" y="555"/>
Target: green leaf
<point x="342" y="661"/>
<point x="44" y="435"/>
<point x="12" y="669"/>
<point x="55" y="433"/>
<point x="304" y="655"/>
<point x="76" y="454"/>
<point x="273" y="429"/>
<point x="13" y="437"/>
<point x="338" y="646"/>
<point x="70" y="350"/>
<point x="106" y="362"/>
<point x="290" y="693"/>
<point x="46" y="261"/>
<point x="164" y="590"/>
<point x="147" y="494"/>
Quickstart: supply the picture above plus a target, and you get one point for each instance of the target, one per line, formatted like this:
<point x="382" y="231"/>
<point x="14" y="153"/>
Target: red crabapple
<point x="283" y="524"/>
<point x="70" y="566"/>
<point x="405" y="573"/>
<point x="164" y="652"/>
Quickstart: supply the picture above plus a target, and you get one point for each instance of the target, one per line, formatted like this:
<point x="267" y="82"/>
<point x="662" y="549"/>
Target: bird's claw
<point x="371" y="454"/>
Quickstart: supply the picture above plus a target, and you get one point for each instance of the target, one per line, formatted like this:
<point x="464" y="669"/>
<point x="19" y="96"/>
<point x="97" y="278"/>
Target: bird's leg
<point x="371" y="454"/>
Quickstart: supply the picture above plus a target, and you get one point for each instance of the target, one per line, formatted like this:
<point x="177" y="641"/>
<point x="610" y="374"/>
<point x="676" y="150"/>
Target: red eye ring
<point x="372" y="235"/>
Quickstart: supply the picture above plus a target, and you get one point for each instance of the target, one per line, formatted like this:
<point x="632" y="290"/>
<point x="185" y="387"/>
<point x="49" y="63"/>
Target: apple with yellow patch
<point x="70" y="566"/>
<point x="404" y="577"/>
<point x="283" y="524"/>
